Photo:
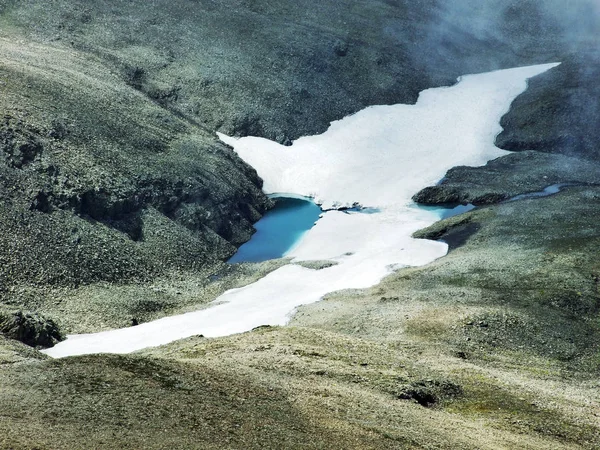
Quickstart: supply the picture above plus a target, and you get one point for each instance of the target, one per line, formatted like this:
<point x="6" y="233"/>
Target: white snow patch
<point x="378" y="157"/>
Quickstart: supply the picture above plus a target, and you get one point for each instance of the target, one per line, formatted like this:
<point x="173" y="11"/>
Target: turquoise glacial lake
<point x="279" y="230"/>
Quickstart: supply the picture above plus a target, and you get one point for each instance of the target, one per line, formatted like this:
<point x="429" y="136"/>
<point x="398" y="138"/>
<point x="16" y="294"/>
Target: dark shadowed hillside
<point x="118" y="205"/>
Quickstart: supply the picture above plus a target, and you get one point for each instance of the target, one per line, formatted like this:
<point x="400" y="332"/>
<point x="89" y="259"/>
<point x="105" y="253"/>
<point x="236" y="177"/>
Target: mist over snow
<point x="378" y="158"/>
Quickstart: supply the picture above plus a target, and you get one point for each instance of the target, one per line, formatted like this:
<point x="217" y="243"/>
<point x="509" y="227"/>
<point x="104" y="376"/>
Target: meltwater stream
<point x="378" y="157"/>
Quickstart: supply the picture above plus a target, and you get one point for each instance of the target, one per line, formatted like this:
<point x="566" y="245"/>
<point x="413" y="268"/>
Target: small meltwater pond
<point x="449" y="211"/>
<point x="280" y="229"/>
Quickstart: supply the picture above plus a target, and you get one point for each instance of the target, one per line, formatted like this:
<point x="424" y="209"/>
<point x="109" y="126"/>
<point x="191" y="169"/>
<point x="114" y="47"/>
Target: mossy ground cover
<point x="117" y="202"/>
<point x="494" y="345"/>
<point x="133" y="402"/>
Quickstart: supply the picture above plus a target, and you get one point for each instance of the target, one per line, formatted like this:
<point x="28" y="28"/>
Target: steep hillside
<point x="110" y="169"/>
<point x="118" y="205"/>
<point x="99" y="184"/>
<point x="286" y="69"/>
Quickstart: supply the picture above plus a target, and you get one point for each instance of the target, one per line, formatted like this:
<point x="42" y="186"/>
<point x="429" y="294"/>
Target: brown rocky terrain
<point x="117" y="203"/>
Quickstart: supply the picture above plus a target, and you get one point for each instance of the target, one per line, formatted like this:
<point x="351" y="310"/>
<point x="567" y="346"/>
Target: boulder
<point x="31" y="329"/>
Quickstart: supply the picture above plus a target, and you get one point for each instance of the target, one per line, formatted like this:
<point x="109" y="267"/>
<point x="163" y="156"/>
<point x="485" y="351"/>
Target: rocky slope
<point x="560" y="111"/>
<point x="111" y="171"/>
<point x="286" y="69"/>
<point x="118" y="203"/>
<point x="101" y="184"/>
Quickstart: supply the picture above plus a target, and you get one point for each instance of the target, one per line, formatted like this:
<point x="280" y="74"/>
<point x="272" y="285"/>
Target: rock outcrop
<point x="31" y="329"/>
<point x="98" y="183"/>
<point x="560" y="112"/>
